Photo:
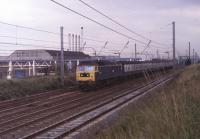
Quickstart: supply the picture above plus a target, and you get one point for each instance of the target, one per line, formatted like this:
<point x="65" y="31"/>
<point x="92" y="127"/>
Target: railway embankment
<point x="172" y="111"/>
<point x="16" y="88"/>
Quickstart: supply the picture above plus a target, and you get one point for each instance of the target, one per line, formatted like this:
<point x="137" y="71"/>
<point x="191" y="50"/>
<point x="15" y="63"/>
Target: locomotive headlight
<point x="85" y="75"/>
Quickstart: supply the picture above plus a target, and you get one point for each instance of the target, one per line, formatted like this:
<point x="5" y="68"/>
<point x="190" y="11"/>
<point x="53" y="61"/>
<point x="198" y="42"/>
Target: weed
<point x="171" y="112"/>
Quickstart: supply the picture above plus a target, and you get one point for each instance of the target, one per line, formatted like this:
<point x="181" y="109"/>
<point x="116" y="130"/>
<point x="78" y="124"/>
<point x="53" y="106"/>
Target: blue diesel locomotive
<point x="90" y="73"/>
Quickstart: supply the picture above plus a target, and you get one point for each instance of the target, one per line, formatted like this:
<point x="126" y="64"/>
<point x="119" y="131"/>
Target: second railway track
<point x="21" y="124"/>
<point x="37" y="121"/>
<point x="10" y="104"/>
<point x="71" y="124"/>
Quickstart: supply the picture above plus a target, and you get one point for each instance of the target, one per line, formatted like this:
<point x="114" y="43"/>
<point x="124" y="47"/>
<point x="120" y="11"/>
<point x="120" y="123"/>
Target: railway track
<point x="54" y="101"/>
<point x="41" y="96"/>
<point x="19" y="123"/>
<point x="74" y="123"/>
<point x="36" y="121"/>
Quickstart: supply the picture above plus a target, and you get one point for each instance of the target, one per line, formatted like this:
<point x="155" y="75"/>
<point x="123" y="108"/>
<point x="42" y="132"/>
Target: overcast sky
<point x="151" y="18"/>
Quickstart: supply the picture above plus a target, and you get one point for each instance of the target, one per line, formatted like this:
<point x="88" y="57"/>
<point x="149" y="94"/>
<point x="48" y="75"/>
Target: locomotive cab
<point x="86" y="73"/>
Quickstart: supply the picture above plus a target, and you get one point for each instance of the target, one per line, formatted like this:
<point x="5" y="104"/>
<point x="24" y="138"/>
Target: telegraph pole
<point x="157" y="52"/>
<point x="79" y="43"/>
<point x="189" y="51"/>
<point x="76" y="43"/>
<point x="82" y="38"/>
<point x="196" y="57"/>
<point x="167" y="52"/>
<point x="69" y="39"/>
<point x="132" y="53"/>
<point x="73" y="42"/>
<point x="193" y="56"/>
<point x="135" y="52"/>
<point x="62" y="56"/>
<point x="174" y="42"/>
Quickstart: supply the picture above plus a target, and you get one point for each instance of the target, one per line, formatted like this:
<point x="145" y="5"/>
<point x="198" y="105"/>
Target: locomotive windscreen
<point x="86" y="68"/>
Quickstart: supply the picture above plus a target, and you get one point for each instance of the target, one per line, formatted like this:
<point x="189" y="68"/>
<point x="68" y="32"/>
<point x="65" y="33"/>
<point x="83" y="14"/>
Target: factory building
<point x="45" y="55"/>
<point x="24" y="63"/>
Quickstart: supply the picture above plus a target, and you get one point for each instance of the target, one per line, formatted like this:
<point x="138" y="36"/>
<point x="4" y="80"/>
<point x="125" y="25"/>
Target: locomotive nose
<point x="85" y="75"/>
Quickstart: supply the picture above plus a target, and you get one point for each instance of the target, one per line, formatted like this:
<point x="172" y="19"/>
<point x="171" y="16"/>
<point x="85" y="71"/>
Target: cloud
<point x="143" y="16"/>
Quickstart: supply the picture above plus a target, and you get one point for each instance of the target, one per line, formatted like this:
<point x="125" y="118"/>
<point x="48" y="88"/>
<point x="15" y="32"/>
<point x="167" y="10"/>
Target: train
<point x="91" y="73"/>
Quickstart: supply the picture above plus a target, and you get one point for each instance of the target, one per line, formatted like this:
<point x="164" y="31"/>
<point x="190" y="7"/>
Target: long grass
<point x="24" y="87"/>
<point x="172" y="112"/>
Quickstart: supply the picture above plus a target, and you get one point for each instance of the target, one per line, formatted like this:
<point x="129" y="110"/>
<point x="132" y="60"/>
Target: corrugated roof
<point x="68" y="54"/>
<point x="3" y="58"/>
<point x="45" y="55"/>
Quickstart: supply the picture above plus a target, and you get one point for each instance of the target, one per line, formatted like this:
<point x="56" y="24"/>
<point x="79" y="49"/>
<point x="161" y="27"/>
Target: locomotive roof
<point x="98" y="62"/>
<point x="107" y="62"/>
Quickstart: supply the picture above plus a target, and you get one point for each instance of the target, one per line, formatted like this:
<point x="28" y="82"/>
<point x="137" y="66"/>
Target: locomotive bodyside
<point x="91" y="74"/>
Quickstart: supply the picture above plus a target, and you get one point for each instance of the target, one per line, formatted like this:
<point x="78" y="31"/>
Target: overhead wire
<point x="90" y="39"/>
<point x="40" y="30"/>
<point x="113" y="30"/>
<point x="21" y="44"/>
<point x="116" y="22"/>
<point x="49" y="32"/>
<point x="30" y="28"/>
<point x="101" y="41"/>
<point x="164" y="26"/>
<point x="29" y="39"/>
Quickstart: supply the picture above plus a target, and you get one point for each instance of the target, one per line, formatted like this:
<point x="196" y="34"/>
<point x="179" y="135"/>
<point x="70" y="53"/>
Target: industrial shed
<point x="25" y="63"/>
<point x="45" y="55"/>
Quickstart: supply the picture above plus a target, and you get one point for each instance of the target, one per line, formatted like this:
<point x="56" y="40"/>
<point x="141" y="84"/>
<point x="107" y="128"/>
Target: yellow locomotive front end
<point x="85" y="73"/>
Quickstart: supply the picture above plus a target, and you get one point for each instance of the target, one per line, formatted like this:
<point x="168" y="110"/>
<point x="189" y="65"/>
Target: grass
<point x="172" y="112"/>
<point x="24" y="87"/>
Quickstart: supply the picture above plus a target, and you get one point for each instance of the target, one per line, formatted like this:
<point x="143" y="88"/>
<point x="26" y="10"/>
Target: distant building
<point x="45" y="55"/>
<point x="28" y="62"/>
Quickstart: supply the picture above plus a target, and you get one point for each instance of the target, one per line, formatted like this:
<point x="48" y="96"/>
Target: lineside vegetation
<point x="171" y="112"/>
<point x="24" y="87"/>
